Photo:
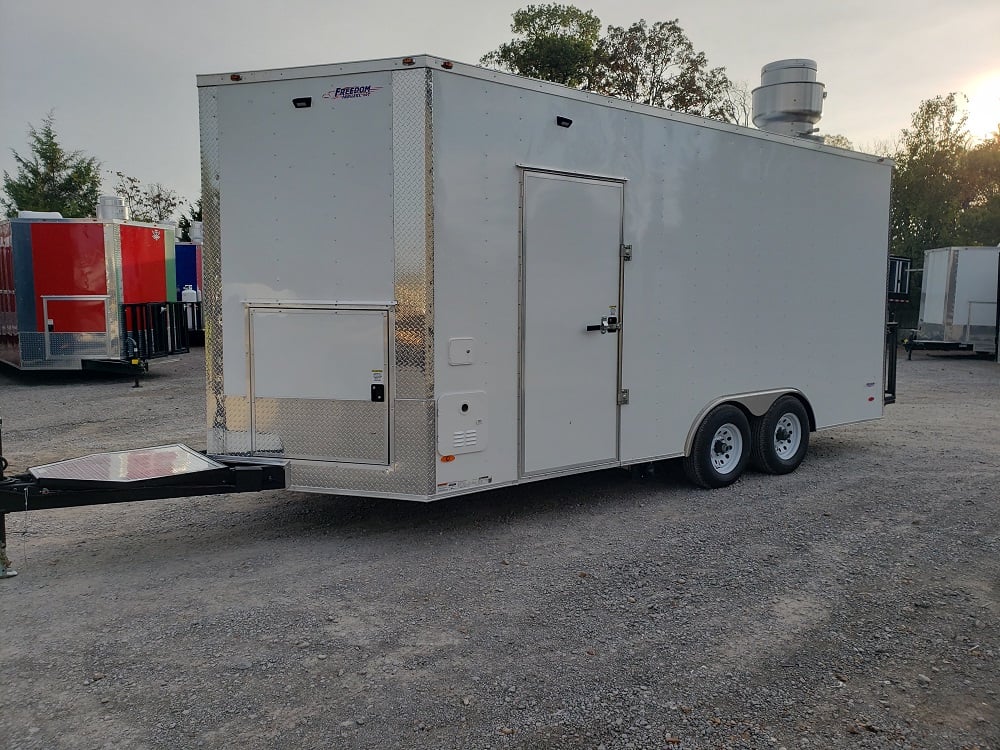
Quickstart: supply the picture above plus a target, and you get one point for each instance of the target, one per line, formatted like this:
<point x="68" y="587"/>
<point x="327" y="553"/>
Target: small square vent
<point x="461" y="423"/>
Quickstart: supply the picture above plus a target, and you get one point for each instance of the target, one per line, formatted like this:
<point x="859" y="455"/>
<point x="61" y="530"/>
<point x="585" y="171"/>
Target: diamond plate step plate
<point x="138" y="465"/>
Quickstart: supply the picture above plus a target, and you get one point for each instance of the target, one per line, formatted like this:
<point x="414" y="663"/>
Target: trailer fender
<point x="755" y="404"/>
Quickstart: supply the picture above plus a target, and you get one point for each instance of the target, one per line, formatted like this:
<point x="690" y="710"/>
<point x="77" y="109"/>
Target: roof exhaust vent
<point x="789" y="101"/>
<point x="112" y="208"/>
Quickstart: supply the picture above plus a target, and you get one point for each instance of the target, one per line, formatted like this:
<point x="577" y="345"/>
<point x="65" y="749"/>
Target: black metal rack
<point x="154" y="329"/>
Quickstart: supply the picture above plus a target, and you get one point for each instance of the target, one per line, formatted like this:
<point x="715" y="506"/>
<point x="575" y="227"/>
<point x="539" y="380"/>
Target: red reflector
<point x="871" y="398"/>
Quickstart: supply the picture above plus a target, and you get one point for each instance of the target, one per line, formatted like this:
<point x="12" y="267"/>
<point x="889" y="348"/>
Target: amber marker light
<point x="235" y="77"/>
<point x="408" y="61"/>
<point x="447" y="65"/>
<point x="447" y="459"/>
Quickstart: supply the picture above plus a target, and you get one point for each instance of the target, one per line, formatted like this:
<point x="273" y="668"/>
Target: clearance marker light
<point x="447" y="459"/>
<point x="447" y="65"/>
<point x="408" y="61"/>
<point x="235" y="77"/>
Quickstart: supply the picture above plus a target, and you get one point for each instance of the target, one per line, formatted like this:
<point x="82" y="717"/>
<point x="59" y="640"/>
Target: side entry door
<point x="571" y="277"/>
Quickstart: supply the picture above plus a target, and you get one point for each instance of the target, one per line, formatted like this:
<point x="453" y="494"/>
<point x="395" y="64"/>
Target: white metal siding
<point x="756" y="265"/>
<point x="306" y="198"/>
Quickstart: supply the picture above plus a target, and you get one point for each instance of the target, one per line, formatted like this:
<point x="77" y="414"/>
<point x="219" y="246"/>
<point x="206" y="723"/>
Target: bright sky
<point x="120" y="74"/>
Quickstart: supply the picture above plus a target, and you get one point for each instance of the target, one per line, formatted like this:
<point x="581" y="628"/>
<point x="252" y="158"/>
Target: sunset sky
<point x="120" y="76"/>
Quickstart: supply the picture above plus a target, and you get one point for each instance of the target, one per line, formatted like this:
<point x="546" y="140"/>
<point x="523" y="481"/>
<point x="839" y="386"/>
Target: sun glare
<point x="984" y="105"/>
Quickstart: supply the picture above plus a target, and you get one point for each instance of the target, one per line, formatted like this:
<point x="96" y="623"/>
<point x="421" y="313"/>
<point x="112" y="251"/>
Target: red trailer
<point x="87" y="293"/>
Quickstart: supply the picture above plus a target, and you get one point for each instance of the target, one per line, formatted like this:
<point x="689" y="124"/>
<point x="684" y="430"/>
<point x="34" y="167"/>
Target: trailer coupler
<point x="141" y="474"/>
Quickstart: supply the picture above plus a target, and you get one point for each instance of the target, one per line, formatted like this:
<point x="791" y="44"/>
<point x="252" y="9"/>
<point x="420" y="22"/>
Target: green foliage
<point x="150" y="203"/>
<point x="927" y="191"/>
<point x="945" y="191"/>
<point x="184" y="223"/>
<point x="658" y="65"/>
<point x="980" y="222"/>
<point x="840" y="141"/>
<point x="556" y="44"/>
<point x="652" y="64"/>
<point x="51" y="178"/>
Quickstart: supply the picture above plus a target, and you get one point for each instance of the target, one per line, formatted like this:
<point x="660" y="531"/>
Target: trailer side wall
<point x="756" y="265"/>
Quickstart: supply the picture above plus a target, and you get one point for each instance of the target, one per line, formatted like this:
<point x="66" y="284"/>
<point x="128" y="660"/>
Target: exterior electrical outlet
<point x="420" y="286"/>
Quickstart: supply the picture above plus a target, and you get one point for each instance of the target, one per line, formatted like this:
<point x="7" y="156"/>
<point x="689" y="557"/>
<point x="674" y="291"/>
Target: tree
<point x="52" y="178"/>
<point x="840" y="141"/>
<point x="929" y="188"/>
<point x="184" y="223"/>
<point x="557" y="44"/>
<point x="150" y="203"/>
<point x="654" y="64"/>
<point x="658" y="65"/>
<point x="945" y="191"/>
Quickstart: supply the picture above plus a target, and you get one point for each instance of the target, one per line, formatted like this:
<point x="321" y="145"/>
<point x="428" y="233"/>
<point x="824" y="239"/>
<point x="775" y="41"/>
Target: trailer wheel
<point x="780" y="437"/>
<point x="721" y="448"/>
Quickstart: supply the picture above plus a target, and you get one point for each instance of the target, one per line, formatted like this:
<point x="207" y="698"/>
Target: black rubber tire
<point x="698" y="464"/>
<point x="763" y="454"/>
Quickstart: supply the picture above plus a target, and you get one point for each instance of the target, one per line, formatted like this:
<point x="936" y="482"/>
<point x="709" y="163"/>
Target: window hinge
<point x="623" y="396"/>
<point x="626" y="251"/>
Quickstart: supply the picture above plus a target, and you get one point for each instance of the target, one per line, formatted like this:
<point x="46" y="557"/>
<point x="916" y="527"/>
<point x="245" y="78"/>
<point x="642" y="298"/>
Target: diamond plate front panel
<point x="231" y="435"/>
<point x="208" y="110"/>
<point x="351" y="431"/>
<point x="67" y="349"/>
<point x="413" y="233"/>
<point x="412" y="469"/>
<point x="113" y="261"/>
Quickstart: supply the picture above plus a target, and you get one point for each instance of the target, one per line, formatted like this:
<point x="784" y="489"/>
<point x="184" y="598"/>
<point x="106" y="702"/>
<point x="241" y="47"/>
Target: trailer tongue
<point x="128" y="476"/>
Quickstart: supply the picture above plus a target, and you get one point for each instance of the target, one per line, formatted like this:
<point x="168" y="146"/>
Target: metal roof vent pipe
<point x="789" y="100"/>
<point x="112" y="208"/>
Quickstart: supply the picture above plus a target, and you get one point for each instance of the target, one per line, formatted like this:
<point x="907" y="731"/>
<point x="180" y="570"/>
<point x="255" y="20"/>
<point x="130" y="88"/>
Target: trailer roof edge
<point x="239" y="77"/>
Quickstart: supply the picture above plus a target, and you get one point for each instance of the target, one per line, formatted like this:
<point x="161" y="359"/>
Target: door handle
<point x="608" y="324"/>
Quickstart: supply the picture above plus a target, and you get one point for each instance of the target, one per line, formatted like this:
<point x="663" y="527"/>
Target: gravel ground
<point x="852" y="604"/>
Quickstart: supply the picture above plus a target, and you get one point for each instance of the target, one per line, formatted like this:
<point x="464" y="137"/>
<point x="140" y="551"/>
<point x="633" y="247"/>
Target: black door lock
<point x="608" y="324"/>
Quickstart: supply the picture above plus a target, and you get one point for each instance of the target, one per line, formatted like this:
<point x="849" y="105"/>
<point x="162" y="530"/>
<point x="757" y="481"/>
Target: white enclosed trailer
<point x="425" y="279"/>
<point x="958" y="299"/>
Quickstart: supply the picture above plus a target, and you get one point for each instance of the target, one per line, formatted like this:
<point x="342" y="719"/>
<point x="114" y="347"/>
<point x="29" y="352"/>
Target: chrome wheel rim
<point x="727" y="448"/>
<point x="787" y="436"/>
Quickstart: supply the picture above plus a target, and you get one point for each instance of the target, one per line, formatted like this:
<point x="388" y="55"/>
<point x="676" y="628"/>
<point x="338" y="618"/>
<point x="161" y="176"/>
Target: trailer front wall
<point x="758" y="263"/>
<point x="148" y="266"/>
<point x="322" y="207"/>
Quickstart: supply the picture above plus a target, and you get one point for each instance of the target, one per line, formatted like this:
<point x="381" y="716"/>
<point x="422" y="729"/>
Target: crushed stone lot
<point x="852" y="604"/>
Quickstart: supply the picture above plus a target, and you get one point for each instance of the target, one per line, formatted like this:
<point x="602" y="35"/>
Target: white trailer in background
<point x="425" y="279"/>
<point x="958" y="299"/>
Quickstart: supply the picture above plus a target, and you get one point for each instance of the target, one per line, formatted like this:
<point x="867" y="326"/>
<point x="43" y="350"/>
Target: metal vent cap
<point x="789" y="99"/>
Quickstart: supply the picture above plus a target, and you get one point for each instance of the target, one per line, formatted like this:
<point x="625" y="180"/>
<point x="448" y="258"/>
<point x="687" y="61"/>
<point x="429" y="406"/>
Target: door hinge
<point x="623" y="396"/>
<point x="626" y="251"/>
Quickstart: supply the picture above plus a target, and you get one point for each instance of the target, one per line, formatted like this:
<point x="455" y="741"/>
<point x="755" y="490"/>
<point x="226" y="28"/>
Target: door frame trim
<point x="525" y="171"/>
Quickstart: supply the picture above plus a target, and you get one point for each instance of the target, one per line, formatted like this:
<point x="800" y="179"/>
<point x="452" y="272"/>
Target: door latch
<point x="608" y="324"/>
